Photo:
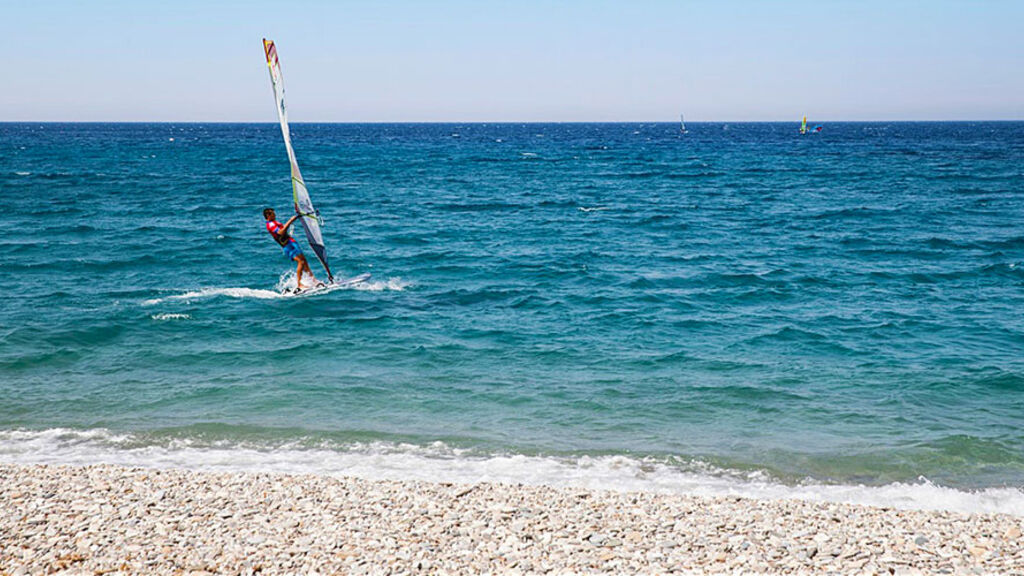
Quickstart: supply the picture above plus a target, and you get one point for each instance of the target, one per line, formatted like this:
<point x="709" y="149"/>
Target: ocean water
<point x="736" y="310"/>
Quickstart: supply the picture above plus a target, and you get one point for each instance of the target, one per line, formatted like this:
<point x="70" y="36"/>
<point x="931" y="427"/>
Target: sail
<point x="310" y="218"/>
<point x="682" y="123"/>
<point x="803" y="126"/>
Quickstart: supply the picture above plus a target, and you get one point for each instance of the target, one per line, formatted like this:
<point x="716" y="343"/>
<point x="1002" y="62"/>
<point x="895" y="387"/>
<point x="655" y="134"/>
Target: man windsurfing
<point x="289" y="245"/>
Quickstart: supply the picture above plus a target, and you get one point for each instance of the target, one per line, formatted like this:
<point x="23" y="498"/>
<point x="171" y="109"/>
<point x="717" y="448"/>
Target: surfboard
<point x="329" y="286"/>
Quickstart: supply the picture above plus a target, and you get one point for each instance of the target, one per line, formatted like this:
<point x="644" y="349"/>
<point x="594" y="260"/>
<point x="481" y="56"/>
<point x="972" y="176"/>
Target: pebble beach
<point x="111" y="520"/>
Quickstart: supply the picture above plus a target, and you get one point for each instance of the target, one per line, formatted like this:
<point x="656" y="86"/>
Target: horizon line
<point x="439" y="122"/>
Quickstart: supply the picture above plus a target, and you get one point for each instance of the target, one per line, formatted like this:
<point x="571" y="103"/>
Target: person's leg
<point x="301" y="263"/>
<point x="308" y="271"/>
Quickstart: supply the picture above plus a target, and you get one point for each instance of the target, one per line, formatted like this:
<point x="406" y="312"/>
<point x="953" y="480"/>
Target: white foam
<point x="171" y="317"/>
<point x="592" y="209"/>
<point x="287" y="283"/>
<point x="214" y="292"/>
<point x="441" y="463"/>
<point x="23" y="173"/>
<point x="396" y="284"/>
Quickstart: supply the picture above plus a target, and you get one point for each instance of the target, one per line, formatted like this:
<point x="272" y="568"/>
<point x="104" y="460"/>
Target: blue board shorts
<point x="292" y="250"/>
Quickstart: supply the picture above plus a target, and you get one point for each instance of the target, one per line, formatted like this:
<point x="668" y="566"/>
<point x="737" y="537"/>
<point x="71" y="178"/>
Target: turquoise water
<point x="617" y="304"/>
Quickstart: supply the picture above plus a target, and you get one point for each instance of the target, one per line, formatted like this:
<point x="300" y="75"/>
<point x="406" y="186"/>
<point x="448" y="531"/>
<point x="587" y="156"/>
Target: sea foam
<point x="438" y="462"/>
<point x="214" y="292"/>
<point x="394" y="284"/>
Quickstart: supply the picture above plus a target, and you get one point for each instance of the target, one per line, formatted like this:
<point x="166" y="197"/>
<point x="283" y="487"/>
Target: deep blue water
<point x="842" y="308"/>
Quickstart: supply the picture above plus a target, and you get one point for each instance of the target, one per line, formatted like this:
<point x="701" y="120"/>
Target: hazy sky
<point x="520" y="60"/>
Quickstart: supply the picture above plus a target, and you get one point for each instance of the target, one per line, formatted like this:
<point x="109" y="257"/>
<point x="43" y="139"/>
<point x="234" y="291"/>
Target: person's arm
<point x="288" y="224"/>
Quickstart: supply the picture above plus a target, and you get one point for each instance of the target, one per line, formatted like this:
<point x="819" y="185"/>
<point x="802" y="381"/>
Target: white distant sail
<point x="682" y="124"/>
<point x="303" y="205"/>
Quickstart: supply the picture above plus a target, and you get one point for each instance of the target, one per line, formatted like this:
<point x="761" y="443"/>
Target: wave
<point x="287" y="281"/>
<point x="702" y="174"/>
<point x="165" y="317"/>
<point x="470" y="297"/>
<point x="479" y="207"/>
<point x="214" y="292"/>
<point x="394" y="284"/>
<point x="438" y="462"/>
<point x="857" y="212"/>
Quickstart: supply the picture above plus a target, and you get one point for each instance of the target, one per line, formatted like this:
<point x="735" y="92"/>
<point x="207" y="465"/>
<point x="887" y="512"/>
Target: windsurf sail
<point x="803" y="126"/>
<point x="682" y="124"/>
<point x="310" y="217"/>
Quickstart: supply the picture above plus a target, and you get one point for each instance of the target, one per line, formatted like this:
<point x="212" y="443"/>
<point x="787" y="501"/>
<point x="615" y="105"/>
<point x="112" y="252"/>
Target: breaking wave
<point x="438" y="462"/>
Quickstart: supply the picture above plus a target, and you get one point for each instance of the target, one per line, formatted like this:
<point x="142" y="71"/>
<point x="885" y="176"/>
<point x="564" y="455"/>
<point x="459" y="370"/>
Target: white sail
<point x="682" y="123"/>
<point x="303" y="205"/>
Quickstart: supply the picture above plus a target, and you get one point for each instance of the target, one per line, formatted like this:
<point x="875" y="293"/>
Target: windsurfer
<point x="288" y="244"/>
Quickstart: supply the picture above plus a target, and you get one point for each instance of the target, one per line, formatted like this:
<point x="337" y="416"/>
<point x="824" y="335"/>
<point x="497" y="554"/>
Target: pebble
<point x="100" y="519"/>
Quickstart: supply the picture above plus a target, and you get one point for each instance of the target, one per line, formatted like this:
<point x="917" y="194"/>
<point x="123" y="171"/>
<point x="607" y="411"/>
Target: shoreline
<point x="438" y="462"/>
<point x="102" y="518"/>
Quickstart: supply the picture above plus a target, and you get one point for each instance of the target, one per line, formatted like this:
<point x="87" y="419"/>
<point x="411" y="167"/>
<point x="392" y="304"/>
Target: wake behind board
<point x="329" y="286"/>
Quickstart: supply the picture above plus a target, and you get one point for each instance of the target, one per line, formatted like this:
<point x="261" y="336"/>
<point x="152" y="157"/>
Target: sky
<point x="523" y="60"/>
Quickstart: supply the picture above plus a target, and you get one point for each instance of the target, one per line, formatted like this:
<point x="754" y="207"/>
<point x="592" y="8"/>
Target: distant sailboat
<point x="682" y="124"/>
<point x="804" y="130"/>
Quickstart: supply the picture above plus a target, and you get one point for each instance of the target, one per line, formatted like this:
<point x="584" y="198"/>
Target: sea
<point x="739" y="310"/>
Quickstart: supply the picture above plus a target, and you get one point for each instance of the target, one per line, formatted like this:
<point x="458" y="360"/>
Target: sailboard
<point x="323" y="288"/>
<point x="803" y="126"/>
<point x="310" y="217"/>
<point x="682" y="124"/>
